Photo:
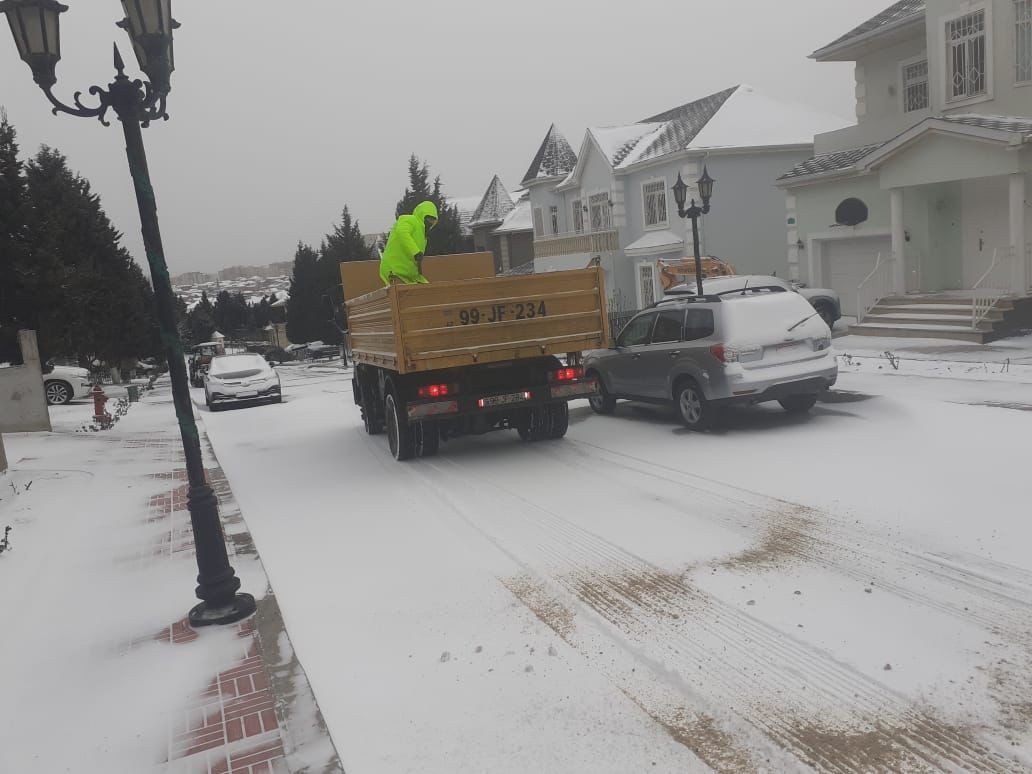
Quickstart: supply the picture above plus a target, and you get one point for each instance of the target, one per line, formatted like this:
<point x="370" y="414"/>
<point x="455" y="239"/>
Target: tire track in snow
<point x="1000" y="602"/>
<point x="825" y="713"/>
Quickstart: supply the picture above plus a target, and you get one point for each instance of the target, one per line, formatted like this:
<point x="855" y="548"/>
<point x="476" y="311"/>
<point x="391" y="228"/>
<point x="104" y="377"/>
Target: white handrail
<point x="993" y="285"/>
<point x="874" y="288"/>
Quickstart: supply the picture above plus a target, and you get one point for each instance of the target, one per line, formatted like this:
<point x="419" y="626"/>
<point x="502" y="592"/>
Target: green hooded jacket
<point x="407" y="240"/>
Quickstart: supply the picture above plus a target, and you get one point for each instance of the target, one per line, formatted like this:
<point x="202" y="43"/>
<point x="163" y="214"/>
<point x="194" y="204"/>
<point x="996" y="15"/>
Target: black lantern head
<point x="150" y="26"/>
<point x="35" y="25"/>
<point x="680" y="194"/>
<point x="705" y="187"/>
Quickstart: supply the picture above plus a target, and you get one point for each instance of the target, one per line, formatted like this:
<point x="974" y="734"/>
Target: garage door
<point x="847" y="262"/>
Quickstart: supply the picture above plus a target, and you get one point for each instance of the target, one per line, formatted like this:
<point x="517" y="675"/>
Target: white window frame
<point x="665" y="223"/>
<point x="607" y="212"/>
<point x="903" y="82"/>
<point x="553" y="218"/>
<point x="945" y="50"/>
<point x="539" y="222"/>
<point x="657" y="293"/>
<point x="1018" y="24"/>
<point x="577" y="212"/>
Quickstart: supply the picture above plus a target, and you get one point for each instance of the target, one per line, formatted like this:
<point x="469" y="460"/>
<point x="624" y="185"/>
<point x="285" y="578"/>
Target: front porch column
<point x="1017" y="232"/>
<point x="899" y="268"/>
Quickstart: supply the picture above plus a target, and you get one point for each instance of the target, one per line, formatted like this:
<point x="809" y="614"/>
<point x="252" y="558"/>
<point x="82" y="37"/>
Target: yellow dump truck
<point x="468" y="356"/>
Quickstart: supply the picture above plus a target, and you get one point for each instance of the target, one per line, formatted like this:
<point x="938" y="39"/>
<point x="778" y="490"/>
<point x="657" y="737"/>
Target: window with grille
<point x="647" y="278"/>
<point x="554" y="212"/>
<point x="965" y="55"/>
<point x="654" y="196"/>
<point x="1023" y="41"/>
<point x="601" y="216"/>
<point x="915" y="86"/>
<point x="578" y="216"/>
<point x="539" y="222"/>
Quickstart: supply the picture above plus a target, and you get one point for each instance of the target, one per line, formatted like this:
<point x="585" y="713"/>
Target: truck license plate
<point x="504" y="400"/>
<point x="515" y="310"/>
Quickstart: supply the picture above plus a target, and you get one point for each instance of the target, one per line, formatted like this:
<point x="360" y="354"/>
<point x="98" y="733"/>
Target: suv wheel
<point x="58" y="393"/>
<point x="693" y="409"/>
<point x="798" y="404"/>
<point x="827" y="313"/>
<point x="603" y="403"/>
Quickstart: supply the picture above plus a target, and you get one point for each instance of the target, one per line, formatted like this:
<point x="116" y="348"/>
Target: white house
<point x="613" y="200"/>
<point x="928" y="191"/>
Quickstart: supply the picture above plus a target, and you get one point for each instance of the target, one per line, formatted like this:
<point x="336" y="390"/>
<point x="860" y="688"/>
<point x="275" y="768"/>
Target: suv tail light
<point x="567" y="374"/>
<point x="434" y="391"/>
<point x="724" y="354"/>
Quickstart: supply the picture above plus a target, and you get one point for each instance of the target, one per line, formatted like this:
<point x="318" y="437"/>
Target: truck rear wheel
<point x="427" y="437"/>
<point x="559" y="420"/>
<point x="399" y="431"/>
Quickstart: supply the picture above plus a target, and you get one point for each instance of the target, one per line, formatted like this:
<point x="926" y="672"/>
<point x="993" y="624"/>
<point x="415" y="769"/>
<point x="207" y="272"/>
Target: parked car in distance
<point x="824" y="300"/>
<point x="63" y="384"/>
<point x="703" y="354"/>
<point x="244" y="378"/>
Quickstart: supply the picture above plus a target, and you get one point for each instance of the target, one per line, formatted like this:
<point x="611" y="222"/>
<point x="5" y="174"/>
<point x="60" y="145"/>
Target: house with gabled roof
<point x="500" y="224"/>
<point x="612" y="200"/>
<point x="918" y="214"/>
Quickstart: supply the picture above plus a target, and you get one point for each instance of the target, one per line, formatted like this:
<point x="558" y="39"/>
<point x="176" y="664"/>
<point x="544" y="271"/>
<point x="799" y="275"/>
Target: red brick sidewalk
<point x="238" y="725"/>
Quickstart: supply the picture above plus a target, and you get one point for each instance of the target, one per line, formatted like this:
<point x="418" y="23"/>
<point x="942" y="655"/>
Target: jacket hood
<point x="425" y="210"/>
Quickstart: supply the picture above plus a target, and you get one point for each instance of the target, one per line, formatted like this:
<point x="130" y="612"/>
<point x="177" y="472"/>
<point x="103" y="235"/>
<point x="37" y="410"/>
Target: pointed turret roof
<point x="494" y="206"/>
<point x="555" y="158"/>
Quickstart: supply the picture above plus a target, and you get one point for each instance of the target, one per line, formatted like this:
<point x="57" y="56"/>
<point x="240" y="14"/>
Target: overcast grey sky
<point x="283" y="112"/>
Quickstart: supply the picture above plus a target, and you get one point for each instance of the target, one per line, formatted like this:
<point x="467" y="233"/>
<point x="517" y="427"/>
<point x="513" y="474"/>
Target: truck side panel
<point x="372" y="328"/>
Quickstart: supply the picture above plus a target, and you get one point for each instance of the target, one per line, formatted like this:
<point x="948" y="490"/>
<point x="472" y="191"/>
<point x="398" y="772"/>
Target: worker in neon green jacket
<point x="403" y="256"/>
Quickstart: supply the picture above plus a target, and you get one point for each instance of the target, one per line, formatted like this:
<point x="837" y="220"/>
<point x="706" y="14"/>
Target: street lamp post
<point x="35" y="25"/>
<point x="705" y="184"/>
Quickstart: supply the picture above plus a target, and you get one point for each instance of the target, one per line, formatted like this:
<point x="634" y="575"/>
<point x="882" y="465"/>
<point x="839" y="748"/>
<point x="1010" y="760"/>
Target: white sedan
<point x="245" y="378"/>
<point x="63" y="384"/>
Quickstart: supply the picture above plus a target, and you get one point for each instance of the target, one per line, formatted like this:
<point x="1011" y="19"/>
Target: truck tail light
<point x="434" y="391"/>
<point x="568" y="374"/>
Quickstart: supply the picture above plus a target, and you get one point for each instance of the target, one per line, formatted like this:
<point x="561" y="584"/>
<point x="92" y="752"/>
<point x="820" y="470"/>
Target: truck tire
<point x="537" y="425"/>
<point x="427" y="437"/>
<point x="371" y="419"/>
<point x="559" y="420"/>
<point x="399" y="431"/>
<point x="373" y="425"/>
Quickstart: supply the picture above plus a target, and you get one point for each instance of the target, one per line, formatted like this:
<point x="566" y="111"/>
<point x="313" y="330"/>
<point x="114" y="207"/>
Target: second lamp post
<point x="705" y="185"/>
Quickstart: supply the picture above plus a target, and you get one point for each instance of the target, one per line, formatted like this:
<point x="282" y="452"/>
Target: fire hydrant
<point x="99" y="399"/>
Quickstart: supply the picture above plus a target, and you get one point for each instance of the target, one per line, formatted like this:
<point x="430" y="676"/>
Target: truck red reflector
<point x="567" y="374"/>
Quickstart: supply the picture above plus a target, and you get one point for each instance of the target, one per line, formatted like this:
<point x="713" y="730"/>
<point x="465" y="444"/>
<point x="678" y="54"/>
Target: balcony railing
<point x="570" y="244"/>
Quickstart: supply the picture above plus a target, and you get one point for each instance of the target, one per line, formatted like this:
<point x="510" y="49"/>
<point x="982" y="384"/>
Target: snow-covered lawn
<point x="851" y="590"/>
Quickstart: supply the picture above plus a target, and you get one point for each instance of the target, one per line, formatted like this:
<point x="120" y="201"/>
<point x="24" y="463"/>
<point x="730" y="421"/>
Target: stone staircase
<point x="943" y="316"/>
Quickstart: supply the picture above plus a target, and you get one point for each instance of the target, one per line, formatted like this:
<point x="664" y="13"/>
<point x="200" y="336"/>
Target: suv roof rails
<point x="754" y="289"/>
<point x="687" y="299"/>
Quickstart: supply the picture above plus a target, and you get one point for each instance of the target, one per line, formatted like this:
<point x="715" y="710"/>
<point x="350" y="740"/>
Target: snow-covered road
<point x="849" y="591"/>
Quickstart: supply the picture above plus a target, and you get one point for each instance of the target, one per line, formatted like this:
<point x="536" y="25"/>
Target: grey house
<point x="928" y="191"/>
<point x="501" y="224"/>
<point x="613" y="199"/>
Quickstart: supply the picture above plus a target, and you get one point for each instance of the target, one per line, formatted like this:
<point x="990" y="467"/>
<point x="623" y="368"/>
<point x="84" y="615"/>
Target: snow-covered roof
<point x="897" y="14"/>
<point x="739" y="117"/>
<point x="466" y="205"/>
<point x="839" y="161"/>
<point x="554" y="158"/>
<point x="520" y="218"/>
<point x="494" y="206"/>
<point x="655" y="242"/>
<point x="519" y="271"/>
<point x="1017" y="124"/>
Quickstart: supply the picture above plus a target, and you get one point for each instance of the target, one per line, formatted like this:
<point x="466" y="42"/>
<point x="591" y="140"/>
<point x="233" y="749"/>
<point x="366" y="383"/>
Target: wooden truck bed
<point x="412" y="328"/>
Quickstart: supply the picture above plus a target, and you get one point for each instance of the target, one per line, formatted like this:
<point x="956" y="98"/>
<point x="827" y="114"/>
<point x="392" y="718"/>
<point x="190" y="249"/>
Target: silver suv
<point x="702" y="354"/>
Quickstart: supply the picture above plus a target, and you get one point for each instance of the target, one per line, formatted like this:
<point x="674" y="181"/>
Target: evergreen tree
<point x="305" y="307"/>
<point x="446" y="237"/>
<point x="13" y="262"/>
<point x="201" y="320"/>
<point x="346" y="243"/>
